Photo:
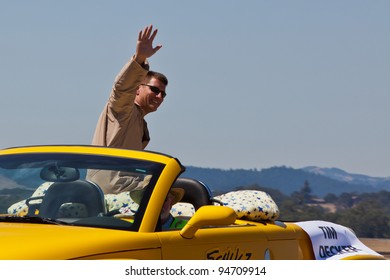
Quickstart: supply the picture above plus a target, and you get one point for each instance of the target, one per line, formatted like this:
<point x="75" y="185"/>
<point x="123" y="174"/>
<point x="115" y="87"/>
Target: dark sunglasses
<point x="156" y="90"/>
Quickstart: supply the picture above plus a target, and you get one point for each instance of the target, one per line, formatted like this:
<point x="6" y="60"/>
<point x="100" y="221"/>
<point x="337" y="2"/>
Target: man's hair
<point x="161" y="77"/>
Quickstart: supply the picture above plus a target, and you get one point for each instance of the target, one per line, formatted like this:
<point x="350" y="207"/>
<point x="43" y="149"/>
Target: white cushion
<point x="251" y="205"/>
<point x="182" y="209"/>
<point x="118" y="201"/>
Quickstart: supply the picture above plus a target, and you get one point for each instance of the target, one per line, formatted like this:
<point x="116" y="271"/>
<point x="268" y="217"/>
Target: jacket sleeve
<point x="125" y="86"/>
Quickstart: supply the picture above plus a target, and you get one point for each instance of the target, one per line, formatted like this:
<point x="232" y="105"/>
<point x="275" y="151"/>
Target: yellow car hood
<point x="56" y="242"/>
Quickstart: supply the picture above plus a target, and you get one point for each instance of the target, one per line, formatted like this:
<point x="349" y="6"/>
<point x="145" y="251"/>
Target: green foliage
<point x="367" y="218"/>
<point x="367" y="214"/>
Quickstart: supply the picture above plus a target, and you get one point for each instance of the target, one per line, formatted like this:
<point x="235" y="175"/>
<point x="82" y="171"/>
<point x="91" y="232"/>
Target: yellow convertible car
<point x="89" y="203"/>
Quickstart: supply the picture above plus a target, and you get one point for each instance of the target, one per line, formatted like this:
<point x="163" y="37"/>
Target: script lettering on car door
<point x="228" y="254"/>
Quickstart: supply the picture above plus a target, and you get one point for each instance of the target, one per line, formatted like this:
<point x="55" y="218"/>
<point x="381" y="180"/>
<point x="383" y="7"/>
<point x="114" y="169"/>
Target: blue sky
<point x="252" y="84"/>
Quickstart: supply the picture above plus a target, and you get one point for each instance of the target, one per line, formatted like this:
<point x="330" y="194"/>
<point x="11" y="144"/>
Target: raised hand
<point x="145" y="47"/>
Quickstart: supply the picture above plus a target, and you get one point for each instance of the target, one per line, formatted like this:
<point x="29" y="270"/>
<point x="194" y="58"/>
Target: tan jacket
<point x="121" y="124"/>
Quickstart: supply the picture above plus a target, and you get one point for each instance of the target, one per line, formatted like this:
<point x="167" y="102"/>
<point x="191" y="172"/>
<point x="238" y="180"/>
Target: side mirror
<point x="208" y="216"/>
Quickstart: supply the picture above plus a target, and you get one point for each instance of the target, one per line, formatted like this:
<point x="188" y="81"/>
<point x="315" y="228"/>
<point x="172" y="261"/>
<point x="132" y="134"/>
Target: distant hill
<point x="287" y="180"/>
<point x="6" y="183"/>
<point x="343" y="176"/>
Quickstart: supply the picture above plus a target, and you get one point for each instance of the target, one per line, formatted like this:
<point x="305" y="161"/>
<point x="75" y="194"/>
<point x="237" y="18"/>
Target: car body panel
<point x="238" y="242"/>
<point x="35" y="241"/>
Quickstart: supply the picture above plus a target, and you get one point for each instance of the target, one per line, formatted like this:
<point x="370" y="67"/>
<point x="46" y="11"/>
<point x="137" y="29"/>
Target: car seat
<point x="81" y="192"/>
<point x="195" y="192"/>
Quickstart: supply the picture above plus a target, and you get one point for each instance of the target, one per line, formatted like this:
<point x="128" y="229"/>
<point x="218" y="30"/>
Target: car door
<point x="213" y="234"/>
<point x="236" y="242"/>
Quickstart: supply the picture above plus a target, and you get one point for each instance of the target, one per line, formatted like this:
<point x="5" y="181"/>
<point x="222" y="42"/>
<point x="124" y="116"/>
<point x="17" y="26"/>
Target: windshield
<point x="77" y="189"/>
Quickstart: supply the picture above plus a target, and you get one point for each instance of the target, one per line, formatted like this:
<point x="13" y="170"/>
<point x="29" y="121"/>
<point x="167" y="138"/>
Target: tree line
<point x="367" y="214"/>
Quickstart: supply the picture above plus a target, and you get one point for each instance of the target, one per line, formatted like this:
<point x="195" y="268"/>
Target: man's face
<point x="167" y="207"/>
<point x="147" y="99"/>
